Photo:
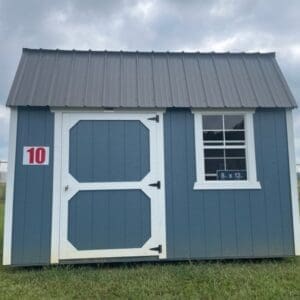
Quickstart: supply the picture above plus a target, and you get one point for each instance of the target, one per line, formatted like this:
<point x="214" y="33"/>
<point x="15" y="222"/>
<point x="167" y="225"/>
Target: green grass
<point x="264" y="279"/>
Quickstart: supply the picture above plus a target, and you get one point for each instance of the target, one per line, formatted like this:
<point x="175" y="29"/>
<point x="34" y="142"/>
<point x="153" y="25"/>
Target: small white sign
<point x="35" y="155"/>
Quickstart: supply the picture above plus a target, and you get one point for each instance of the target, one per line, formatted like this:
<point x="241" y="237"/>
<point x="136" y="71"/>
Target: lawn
<point x="264" y="279"/>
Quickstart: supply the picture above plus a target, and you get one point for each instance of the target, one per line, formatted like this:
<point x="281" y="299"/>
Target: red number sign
<point x="36" y="155"/>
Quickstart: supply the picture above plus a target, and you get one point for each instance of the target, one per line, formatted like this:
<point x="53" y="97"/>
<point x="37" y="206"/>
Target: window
<point x="225" y="153"/>
<point x="224" y="147"/>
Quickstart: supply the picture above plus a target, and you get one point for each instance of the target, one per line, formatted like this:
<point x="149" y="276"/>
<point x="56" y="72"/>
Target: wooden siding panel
<point x="179" y="178"/>
<point x="228" y="223"/>
<point x="257" y="197"/>
<point x="19" y="190"/>
<point x="220" y="224"/>
<point x="197" y="226"/>
<point x="271" y="188"/>
<point x="33" y="190"/>
<point x="168" y="140"/>
<point x="243" y="219"/>
<point x="197" y="232"/>
<point x="212" y="224"/>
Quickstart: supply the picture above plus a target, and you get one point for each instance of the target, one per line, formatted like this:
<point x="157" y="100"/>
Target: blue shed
<point x="135" y="156"/>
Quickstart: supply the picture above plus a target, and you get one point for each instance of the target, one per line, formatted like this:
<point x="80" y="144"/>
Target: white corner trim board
<point x="201" y="183"/>
<point x="8" y="219"/>
<point x="293" y="181"/>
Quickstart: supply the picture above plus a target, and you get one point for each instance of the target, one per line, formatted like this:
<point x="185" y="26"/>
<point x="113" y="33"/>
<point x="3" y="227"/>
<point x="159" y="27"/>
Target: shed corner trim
<point x="8" y="212"/>
<point x="293" y="180"/>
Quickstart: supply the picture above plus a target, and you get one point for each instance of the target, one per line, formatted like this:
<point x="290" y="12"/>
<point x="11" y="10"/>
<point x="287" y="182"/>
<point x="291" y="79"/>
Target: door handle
<point x="66" y="187"/>
<point x="156" y="184"/>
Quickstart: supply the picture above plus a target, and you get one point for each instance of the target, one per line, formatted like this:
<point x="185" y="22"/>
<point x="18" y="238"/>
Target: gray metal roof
<point x="61" y="78"/>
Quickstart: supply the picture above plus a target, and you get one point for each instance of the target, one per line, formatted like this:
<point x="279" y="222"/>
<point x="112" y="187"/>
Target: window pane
<point x="224" y="162"/>
<point x="214" y="153"/>
<point x="212" y="165"/>
<point x="212" y="122"/>
<point x="235" y="152"/>
<point x="213" y="136"/>
<point x="236" y="164"/>
<point x="235" y="135"/>
<point x="234" y="122"/>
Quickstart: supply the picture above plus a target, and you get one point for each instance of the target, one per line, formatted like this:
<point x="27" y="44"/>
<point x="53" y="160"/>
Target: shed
<point x="135" y="156"/>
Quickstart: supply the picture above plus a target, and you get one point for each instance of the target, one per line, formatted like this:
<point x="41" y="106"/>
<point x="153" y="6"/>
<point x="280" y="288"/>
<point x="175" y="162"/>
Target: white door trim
<point x="54" y="258"/>
<point x="157" y="160"/>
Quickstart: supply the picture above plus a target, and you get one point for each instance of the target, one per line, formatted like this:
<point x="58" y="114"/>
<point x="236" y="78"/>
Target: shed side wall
<point x="200" y="224"/>
<point x="33" y="190"/>
<point x="229" y="223"/>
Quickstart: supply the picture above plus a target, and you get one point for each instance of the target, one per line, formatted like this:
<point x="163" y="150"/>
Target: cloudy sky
<point x="191" y="25"/>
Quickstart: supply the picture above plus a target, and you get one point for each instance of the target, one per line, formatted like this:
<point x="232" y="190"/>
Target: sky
<point x="206" y="25"/>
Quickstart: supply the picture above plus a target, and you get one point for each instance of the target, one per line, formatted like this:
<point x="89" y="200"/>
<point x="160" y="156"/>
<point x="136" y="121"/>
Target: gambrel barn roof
<point x="61" y="78"/>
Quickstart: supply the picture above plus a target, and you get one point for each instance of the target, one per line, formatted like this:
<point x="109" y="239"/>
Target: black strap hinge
<point x="156" y="118"/>
<point x="158" y="249"/>
<point x="156" y="184"/>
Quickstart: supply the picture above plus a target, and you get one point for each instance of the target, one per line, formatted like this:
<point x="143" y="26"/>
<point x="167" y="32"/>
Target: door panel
<point x="109" y="204"/>
<point x="109" y="219"/>
<point x="107" y="151"/>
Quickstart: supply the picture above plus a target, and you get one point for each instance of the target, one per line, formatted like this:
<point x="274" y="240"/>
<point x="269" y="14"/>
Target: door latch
<point x="156" y="118"/>
<point x="158" y="249"/>
<point x="156" y="184"/>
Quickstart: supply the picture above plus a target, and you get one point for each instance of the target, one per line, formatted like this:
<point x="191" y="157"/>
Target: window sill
<point x="227" y="185"/>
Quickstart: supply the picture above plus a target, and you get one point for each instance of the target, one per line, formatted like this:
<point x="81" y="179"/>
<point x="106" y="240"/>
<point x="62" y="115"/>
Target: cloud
<point x="208" y="25"/>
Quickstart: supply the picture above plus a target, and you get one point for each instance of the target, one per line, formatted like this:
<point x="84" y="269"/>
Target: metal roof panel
<point x="242" y="82"/>
<point x="227" y="82"/>
<point x="145" y="86"/>
<point x="161" y="77"/>
<point x="63" y="78"/>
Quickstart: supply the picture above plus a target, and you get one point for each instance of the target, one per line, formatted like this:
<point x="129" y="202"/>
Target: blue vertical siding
<point x="32" y="206"/>
<point x="200" y="224"/>
<point x="230" y="223"/>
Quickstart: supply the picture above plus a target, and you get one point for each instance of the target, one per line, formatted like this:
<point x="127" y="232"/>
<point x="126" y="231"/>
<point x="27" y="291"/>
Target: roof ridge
<point x="150" y="52"/>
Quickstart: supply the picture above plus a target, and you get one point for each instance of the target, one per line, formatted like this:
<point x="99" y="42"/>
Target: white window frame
<point x="203" y="184"/>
